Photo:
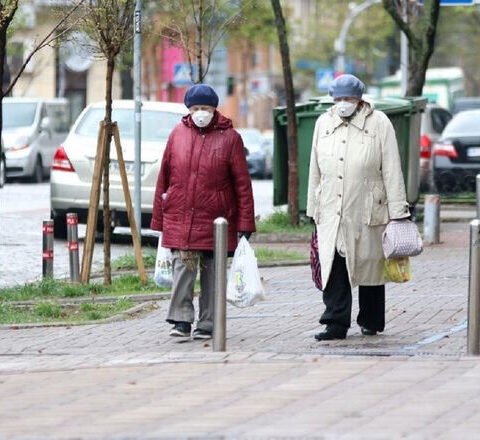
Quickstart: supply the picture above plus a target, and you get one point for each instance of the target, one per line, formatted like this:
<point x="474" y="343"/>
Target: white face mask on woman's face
<point x="202" y="118"/>
<point x="345" y="108"/>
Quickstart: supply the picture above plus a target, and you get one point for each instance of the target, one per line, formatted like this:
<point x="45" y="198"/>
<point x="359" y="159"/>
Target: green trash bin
<point x="405" y="115"/>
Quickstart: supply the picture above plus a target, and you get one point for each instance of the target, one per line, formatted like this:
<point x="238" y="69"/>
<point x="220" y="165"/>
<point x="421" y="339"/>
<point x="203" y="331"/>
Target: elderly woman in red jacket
<point x="203" y="176"/>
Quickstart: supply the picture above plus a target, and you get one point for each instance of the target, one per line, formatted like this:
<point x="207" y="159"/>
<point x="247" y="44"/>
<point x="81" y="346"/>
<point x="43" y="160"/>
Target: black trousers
<point x="337" y="297"/>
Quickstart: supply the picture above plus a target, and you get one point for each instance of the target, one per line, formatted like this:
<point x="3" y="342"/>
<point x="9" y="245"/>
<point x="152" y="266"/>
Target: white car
<point x="73" y="163"/>
<point x="32" y="131"/>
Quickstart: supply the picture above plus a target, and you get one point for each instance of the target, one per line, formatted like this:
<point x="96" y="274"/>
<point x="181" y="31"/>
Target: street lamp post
<point x="137" y="127"/>
<point x="340" y="42"/>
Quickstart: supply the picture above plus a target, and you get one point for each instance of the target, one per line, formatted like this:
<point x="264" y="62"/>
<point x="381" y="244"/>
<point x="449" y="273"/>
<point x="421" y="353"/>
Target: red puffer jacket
<point x="203" y="176"/>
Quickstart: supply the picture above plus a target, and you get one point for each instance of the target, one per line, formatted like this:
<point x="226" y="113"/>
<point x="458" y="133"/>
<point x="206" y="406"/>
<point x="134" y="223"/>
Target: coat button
<point x="344" y="141"/>
<point x="366" y="131"/>
<point x="341" y="159"/>
<point x="339" y="195"/>
<point x="338" y="212"/>
<point x="346" y="124"/>
<point x="340" y="177"/>
<point x="327" y="132"/>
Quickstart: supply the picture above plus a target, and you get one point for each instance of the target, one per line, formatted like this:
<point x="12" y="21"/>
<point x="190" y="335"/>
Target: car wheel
<point x="37" y="176"/>
<point x="59" y="225"/>
<point x="3" y="172"/>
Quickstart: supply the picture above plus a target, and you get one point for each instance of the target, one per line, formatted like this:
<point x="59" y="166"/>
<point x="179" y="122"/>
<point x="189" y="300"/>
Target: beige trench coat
<point x="355" y="187"/>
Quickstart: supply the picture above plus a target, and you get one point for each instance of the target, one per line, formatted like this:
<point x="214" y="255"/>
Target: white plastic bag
<point x="244" y="287"/>
<point x="163" y="265"/>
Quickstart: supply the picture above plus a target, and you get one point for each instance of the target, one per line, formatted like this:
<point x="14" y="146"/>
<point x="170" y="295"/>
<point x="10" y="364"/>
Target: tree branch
<point x="47" y="40"/>
<point x="404" y="27"/>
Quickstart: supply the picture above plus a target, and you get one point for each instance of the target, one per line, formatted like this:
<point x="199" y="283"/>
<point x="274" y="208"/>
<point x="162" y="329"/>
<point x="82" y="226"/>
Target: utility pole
<point x="137" y="127"/>
<point x="404" y="52"/>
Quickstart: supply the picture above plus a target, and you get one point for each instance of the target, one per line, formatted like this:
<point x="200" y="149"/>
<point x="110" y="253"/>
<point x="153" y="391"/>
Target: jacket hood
<point x="219" y="122"/>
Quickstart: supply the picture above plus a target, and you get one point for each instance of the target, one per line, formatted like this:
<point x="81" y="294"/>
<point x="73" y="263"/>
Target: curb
<point x="118" y="317"/>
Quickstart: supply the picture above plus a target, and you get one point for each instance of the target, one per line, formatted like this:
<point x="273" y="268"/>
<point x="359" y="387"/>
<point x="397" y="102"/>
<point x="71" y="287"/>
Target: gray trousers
<point x="181" y="304"/>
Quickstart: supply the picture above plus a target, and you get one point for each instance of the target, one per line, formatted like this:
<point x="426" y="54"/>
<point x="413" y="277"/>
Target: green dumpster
<point x="405" y="115"/>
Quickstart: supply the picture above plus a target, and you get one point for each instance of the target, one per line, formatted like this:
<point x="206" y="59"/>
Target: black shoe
<point x="331" y="333"/>
<point x="367" y="332"/>
<point x="181" y="329"/>
<point x="198" y="333"/>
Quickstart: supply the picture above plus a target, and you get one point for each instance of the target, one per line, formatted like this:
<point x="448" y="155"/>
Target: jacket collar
<point x="358" y="119"/>
<point x="218" y="122"/>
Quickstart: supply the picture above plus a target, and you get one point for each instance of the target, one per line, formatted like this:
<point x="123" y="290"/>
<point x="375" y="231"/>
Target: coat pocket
<point x="326" y="143"/>
<point x="376" y="209"/>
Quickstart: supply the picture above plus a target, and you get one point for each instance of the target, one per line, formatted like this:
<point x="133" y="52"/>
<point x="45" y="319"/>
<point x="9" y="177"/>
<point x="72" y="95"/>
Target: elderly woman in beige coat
<point x="355" y="188"/>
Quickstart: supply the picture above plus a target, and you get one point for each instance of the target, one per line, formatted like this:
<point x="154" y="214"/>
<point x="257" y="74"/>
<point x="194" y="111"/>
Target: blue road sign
<point x="181" y="74"/>
<point x="323" y="78"/>
<point x="454" y="2"/>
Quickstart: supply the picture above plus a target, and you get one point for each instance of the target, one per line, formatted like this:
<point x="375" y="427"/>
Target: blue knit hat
<point x="346" y="86"/>
<point x="201" y="94"/>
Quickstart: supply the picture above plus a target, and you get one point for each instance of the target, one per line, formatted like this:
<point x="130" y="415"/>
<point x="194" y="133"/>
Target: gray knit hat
<point x="346" y="86"/>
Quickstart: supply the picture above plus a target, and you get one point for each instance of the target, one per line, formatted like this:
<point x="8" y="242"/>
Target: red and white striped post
<point x="72" y="243"/>
<point x="47" y="252"/>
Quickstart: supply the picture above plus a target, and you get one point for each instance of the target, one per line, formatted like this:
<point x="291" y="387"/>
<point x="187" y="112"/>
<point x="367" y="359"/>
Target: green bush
<point x="48" y="310"/>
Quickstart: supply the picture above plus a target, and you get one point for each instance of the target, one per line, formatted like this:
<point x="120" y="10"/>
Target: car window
<point x="59" y="115"/>
<point x="156" y="125"/>
<point x="440" y="119"/>
<point x="464" y="123"/>
<point x="18" y="114"/>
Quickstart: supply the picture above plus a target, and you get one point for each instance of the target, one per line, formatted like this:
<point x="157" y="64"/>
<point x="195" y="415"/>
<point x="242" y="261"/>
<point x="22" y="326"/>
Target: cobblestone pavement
<point x="24" y="206"/>
<point x="130" y="380"/>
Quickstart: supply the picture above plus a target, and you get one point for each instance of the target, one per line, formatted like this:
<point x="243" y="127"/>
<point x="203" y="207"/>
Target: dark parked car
<point x="456" y="155"/>
<point x="466" y="103"/>
<point x="253" y="142"/>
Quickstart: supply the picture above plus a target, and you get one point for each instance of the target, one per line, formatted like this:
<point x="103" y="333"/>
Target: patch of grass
<point x="266" y="255"/>
<point x="50" y="312"/>
<point x="52" y="288"/>
<point x="279" y="221"/>
<point x="128" y="261"/>
<point x="467" y="198"/>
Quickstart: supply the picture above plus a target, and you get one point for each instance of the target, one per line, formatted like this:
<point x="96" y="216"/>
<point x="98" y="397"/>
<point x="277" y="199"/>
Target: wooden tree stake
<point x="93" y="209"/>
<point x="128" y="203"/>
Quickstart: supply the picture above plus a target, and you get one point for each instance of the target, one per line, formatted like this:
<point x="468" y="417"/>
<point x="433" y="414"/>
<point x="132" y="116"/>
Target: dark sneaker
<point x="331" y="333"/>
<point x="198" y="333"/>
<point x="367" y="332"/>
<point x="181" y="329"/>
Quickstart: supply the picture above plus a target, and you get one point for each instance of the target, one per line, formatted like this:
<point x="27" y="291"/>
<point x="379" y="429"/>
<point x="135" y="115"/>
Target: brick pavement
<point x="130" y="380"/>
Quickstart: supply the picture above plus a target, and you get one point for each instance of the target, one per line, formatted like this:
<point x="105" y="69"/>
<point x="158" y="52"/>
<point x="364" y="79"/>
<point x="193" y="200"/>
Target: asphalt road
<point x="23" y="207"/>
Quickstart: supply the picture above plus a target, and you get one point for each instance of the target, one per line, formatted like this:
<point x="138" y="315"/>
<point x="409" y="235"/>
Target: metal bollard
<point x="72" y="243"/>
<point x="478" y="195"/>
<point x="431" y="219"/>
<point x="47" y="251"/>
<point x="220" y="311"/>
<point x="473" y="333"/>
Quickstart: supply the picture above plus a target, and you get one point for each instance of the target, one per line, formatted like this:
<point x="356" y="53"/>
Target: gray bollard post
<point x="47" y="249"/>
<point x="220" y="311"/>
<point x="431" y="219"/>
<point x="473" y="333"/>
<point x="478" y="195"/>
<point x="72" y="243"/>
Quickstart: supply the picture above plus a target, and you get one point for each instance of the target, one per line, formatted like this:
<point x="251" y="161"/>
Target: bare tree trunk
<point x="291" y="115"/>
<point x="244" y="105"/>
<point x="106" y="168"/>
<point x="421" y="41"/>
<point x="200" y="43"/>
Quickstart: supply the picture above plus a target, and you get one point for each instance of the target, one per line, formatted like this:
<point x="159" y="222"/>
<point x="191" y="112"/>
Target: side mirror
<point x="45" y="124"/>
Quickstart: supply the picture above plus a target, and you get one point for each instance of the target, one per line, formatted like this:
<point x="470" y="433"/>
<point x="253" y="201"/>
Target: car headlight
<point x="21" y="143"/>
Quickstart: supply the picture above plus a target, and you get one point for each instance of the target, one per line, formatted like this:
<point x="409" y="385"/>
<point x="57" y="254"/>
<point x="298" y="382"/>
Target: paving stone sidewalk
<point x="130" y="380"/>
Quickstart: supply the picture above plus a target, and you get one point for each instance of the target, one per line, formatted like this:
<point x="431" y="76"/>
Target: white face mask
<point x="202" y="118"/>
<point x="345" y="108"/>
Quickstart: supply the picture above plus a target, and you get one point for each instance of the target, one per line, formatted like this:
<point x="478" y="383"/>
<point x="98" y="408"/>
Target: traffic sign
<point x="181" y="74"/>
<point x="453" y="2"/>
<point x="323" y="78"/>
